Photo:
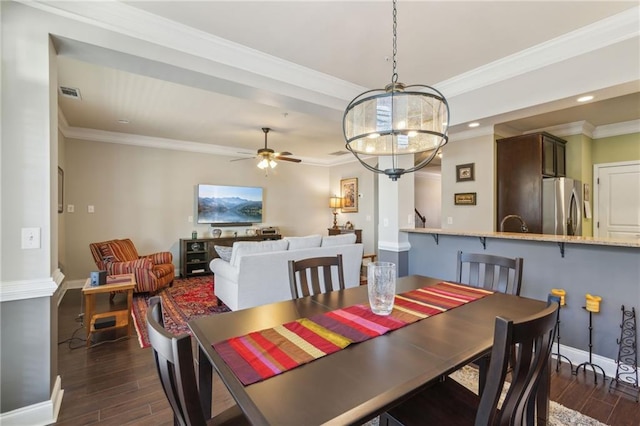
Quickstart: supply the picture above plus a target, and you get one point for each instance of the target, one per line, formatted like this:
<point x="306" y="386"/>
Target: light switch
<point x="30" y="238"/>
<point x="449" y="220"/>
<point x="91" y="209"/>
<point x="71" y="208"/>
<point x="190" y="219"/>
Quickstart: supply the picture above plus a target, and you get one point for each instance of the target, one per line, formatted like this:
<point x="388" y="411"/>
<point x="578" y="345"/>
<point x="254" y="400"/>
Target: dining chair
<point x="449" y="402"/>
<point x="497" y="273"/>
<point x="174" y="362"/>
<point x="306" y="275"/>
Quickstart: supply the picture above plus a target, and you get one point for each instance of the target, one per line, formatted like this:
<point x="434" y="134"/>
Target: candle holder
<point x="593" y="305"/>
<point x="555" y="298"/>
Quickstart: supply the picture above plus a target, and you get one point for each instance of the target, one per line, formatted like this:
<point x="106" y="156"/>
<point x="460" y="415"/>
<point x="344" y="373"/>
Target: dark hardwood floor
<point x="115" y="383"/>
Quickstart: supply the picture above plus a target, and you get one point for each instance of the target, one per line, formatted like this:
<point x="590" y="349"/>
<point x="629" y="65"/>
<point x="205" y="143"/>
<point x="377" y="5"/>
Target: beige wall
<point x="365" y="218"/>
<point x="148" y="194"/>
<point x="480" y="151"/>
<point x="580" y="166"/>
<point x="428" y="188"/>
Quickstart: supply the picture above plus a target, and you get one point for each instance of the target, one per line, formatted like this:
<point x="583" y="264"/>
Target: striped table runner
<point x="262" y="354"/>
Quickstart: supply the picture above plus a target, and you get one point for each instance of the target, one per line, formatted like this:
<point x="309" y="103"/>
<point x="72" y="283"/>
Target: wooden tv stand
<point x="196" y="254"/>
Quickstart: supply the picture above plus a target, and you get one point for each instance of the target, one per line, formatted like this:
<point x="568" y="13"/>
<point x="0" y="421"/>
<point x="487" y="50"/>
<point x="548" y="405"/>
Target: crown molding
<point x="133" y="22"/>
<point x="617" y="129"/>
<point x="591" y="131"/>
<point x="598" y="35"/>
<point x="471" y="133"/>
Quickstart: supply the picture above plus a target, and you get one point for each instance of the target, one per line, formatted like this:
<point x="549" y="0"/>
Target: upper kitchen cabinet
<point x="522" y="162"/>
<point x="553" y="158"/>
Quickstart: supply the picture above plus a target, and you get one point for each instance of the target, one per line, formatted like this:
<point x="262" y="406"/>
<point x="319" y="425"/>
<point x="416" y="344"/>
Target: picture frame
<point x="465" y="172"/>
<point x="464" y="199"/>
<point x="60" y="190"/>
<point x="349" y="194"/>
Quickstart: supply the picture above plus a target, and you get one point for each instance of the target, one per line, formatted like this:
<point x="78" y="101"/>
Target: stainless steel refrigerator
<point x="561" y="206"/>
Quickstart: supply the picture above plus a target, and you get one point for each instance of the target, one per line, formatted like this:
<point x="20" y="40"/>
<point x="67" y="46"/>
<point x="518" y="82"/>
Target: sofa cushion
<point x="224" y="252"/>
<point x="240" y="248"/>
<point x="310" y="241"/>
<point x="338" y="240"/>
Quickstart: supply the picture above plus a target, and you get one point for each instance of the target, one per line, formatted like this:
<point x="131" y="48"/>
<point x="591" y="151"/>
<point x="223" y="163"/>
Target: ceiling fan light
<point x="272" y="164"/>
<point x="263" y="164"/>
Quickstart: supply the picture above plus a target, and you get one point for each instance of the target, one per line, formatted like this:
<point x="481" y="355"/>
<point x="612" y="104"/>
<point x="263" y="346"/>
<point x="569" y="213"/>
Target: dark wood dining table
<point x="363" y="380"/>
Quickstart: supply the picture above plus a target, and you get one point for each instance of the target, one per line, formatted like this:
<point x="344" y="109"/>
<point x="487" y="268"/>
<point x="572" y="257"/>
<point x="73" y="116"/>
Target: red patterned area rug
<point x="185" y="300"/>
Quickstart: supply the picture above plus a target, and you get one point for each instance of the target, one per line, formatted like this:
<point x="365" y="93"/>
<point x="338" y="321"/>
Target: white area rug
<point x="559" y="415"/>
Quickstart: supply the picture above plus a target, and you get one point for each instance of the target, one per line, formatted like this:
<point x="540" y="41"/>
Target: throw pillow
<point x="310" y="241"/>
<point x="240" y="248"/>
<point x="338" y="240"/>
<point x="224" y="252"/>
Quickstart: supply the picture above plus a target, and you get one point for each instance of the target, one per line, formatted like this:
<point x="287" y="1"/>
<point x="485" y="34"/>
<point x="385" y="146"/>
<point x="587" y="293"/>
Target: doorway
<point x="616" y="198"/>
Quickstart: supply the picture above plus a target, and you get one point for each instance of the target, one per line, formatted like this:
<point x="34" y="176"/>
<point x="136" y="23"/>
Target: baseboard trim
<point x="578" y="356"/>
<point x="42" y="413"/>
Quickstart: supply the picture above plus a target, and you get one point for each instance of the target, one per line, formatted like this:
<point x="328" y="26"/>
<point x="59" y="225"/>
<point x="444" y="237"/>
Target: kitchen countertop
<point x="529" y="237"/>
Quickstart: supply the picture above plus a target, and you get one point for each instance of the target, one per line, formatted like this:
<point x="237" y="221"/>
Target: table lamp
<point x="335" y="203"/>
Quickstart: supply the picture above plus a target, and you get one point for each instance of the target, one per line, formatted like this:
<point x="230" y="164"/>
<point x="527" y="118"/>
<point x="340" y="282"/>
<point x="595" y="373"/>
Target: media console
<point x="196" y="254"/>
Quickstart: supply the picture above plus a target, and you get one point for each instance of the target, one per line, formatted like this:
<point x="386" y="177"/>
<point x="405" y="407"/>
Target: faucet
<point x="523" y="226"/>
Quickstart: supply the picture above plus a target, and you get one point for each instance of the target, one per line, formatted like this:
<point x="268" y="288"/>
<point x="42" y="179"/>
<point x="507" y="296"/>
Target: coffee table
<point x="125" y="282"/>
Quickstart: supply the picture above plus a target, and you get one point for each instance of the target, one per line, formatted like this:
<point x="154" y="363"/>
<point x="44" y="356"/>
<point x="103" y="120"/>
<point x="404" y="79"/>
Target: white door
<point x="617" y="200"/>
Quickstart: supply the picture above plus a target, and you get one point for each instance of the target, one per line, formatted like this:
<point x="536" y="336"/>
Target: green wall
<point x="616" y="148"/>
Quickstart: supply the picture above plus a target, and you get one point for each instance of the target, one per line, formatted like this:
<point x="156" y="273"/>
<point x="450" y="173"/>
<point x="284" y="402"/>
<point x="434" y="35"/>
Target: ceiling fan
<point x="268" y="157"/>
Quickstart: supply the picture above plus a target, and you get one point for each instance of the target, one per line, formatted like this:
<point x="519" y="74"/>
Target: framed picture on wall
<point x="465" y="172"/>
<point x="465" y="199"/>
<point x="349" y="194"/>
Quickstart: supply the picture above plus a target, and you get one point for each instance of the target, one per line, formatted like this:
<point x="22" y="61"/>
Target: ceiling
<point x="209" y="75"/>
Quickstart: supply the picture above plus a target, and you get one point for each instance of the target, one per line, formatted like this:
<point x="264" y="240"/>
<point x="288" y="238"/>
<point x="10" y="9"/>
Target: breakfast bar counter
<point x="609" y="268"/>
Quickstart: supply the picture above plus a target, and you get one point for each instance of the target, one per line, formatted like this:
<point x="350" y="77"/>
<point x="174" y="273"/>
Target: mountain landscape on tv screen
<point x="229" y="210"/>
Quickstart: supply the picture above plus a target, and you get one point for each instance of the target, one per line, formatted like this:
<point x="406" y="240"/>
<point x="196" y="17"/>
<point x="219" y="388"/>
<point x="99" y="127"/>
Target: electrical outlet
<point x="190" y="219"/>
<point x="30" y="238"/>
<point x="385" y="222"/>
<point x="449" y="220"/>
<point x="91" y="209"/>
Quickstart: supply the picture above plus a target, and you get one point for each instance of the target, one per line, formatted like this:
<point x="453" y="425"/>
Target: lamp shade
<point x="335" y="202"/>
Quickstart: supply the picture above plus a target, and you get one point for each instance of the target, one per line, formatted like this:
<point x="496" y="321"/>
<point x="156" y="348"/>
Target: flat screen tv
<point x="229" y="205"/>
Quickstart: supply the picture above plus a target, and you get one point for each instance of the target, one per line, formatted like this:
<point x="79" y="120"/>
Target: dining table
<point x="363" y="380"/>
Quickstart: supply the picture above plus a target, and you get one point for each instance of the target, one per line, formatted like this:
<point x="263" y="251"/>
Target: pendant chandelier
<point x="397" y="120"/>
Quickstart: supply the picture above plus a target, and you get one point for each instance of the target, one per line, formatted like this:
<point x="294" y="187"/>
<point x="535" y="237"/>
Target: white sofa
<point x="257" y="273"/>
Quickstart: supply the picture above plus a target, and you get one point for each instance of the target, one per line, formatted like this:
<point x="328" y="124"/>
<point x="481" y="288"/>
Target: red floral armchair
<point x="153" y="272"/>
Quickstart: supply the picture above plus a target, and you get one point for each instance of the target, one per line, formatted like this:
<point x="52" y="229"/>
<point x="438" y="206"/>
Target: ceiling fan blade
<point x="240" y="159"/>
<point x="293" y="160"/>
<point x="277" y="154"/>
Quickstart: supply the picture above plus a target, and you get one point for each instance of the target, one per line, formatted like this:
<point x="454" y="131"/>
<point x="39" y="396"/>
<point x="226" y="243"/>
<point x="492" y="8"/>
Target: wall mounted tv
<point x="229" y="205"/>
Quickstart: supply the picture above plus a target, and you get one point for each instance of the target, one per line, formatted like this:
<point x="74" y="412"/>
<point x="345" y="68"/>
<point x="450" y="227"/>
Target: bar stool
<point x="593" y="305"/>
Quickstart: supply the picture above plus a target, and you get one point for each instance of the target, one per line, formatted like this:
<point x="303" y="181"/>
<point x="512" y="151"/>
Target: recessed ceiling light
<point x="123" y="121"/>
<point x="585" y="98"/>
<point x="474" y="124"/>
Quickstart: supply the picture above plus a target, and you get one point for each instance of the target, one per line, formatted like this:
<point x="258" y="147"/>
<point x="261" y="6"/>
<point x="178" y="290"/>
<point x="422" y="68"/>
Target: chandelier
<point x="397" y="120"/>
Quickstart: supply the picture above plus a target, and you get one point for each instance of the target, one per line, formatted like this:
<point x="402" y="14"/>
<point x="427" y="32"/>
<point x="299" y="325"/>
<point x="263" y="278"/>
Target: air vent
<point x="70" y="92"/>
<point x="337" y="153"/>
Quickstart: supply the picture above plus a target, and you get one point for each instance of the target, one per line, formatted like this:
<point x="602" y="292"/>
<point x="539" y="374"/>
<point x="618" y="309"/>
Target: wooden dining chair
<point x="450" y="403"/>
<point x="305" y="275"/>
<point x="174" y="361"/>
<point x="497" y="273"/>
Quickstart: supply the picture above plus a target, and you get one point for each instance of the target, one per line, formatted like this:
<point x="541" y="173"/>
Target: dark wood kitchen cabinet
<point x="522" y="162"/>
